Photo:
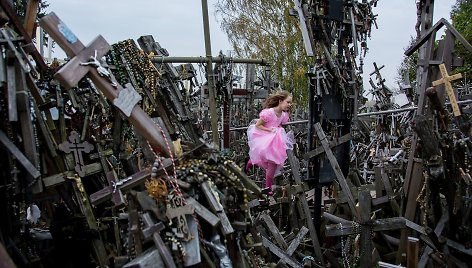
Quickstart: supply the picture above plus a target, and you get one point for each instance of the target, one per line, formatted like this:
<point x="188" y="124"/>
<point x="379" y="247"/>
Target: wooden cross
<point x="337" y="169"/>
<point x="117" y="196"/>
<point x="282" y="254"/>
<point x="366" y="227"/>
<point x="78" y="67"/>
<point x="216" y="207"/>
<point x="152" y="229"/>
<point x="295" y="165"/>
<point x="77" y="148"/>
<point x="446" y="80"/>
<point x="279" y="239"/>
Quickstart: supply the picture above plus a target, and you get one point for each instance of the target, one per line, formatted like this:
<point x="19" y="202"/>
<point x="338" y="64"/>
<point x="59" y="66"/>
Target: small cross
<point x="446" y="80"/>
<point x="77" y="148"/>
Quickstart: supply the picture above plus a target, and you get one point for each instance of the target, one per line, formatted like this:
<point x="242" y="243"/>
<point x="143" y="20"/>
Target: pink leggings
<point x="269" y="171"/>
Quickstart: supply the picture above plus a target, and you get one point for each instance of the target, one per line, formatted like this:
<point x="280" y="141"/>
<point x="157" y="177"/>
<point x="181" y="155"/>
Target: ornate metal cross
<point x="74" y="145"/>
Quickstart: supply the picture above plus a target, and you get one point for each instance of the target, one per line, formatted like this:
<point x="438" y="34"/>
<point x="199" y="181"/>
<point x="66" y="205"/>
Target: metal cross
<point x="77" y="148"/>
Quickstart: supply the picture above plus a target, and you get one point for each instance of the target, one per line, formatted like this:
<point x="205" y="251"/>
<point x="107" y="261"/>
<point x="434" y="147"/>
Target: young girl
<point x="267" y="140"/>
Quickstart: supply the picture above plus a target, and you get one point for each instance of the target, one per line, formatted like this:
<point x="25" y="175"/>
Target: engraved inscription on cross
<point x="74" y="145"/>
<point x="446" y="80"/>
<point x="85" y="61"/>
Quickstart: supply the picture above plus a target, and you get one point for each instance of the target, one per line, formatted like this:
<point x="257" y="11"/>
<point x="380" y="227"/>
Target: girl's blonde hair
<point x="274" y="98"/>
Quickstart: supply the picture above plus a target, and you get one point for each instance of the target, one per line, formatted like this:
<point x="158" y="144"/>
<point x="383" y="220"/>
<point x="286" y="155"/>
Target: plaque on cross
<point x="75" y="146"/>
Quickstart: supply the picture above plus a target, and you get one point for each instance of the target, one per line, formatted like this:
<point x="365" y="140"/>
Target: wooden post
<point x="30" y="16"/>
<point x="365" y="201"/>
<point x="412" y="252"/>
<point x="337" y="170"/>
<point x="86" y="208"/>
<point x="295" y="165"/>
<point x="5" y="260"/>
<point x="209" y="70"/>
<point x="73" y="71"/>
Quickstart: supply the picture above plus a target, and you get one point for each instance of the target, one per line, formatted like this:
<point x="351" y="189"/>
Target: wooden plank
<point x="203" y="212"/>
<point x="412" y="251"/>
<point x="303" y="202"/>
<point x="437" y="230"/>
<point x="5" y="260"/>
<point x="388" y="265"/>
<point x="56" y="179"/>
<point x="11" y="86"/>
<point x="30" y="168"/>
<point x="213" y="202"/>
<point x="30" y="17"/>
<point x="332" y="144"/>
<point x="39" y="100"/>
<point x="226" y="226"/>
<point x="279" y="253"/>
<point x="459" y="247"/>
<point x="389" y="190"/>
<point x="248" y="183"/>
<point x="28" y="135"/>
<point x="272" y="228"/>
<point x="378" y="225"/>
<point x="297" y="240"/>
<point x="366" y="228"/>
<point x="87" y="211"/>
<point x="337" y="170"/>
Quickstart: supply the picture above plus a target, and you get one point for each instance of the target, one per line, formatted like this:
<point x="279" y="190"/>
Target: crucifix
<point x="85" y="60"/>
<point x="75" y="146"/>
<point x="446" y="80"/>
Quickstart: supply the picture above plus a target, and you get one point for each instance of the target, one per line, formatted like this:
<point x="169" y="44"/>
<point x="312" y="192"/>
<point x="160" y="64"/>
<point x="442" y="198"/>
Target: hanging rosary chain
<point x="343" y="249"/>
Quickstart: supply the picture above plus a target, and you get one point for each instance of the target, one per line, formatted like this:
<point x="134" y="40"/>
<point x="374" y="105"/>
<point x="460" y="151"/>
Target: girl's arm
<point x="260" y="125"/>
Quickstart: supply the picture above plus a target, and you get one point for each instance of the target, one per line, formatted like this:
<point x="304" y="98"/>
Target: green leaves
<point x="264" y="29"/>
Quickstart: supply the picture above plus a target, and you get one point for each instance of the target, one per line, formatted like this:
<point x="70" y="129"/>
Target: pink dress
<point x="267" y="146"/>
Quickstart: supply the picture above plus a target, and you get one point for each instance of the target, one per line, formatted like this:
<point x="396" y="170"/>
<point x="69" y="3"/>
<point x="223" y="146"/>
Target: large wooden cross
<point x="80" y="65"/>
<point x="446" y="80"/>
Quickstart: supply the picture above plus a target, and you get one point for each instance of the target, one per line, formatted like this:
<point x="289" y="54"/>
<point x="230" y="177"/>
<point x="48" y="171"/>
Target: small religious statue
<point x="102" y="71"/>
<point x="220" y="251"/>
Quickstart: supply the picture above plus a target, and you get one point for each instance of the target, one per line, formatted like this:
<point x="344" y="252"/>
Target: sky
<point x="178" y="26"/>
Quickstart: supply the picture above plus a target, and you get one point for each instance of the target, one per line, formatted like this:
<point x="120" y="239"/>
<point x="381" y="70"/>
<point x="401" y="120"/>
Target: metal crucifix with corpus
<point x="80" y="65"/>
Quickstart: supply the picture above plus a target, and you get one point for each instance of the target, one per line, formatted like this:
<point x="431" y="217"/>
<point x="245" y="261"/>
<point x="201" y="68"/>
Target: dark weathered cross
<point x="71" y="73"/>
<point x="75" y="146"/>
<point x="366" y="226"/>
<point x="446" y="80"/>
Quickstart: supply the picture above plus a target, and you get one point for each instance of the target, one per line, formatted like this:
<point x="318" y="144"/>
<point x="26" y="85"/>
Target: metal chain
<point x="343" y="249"/>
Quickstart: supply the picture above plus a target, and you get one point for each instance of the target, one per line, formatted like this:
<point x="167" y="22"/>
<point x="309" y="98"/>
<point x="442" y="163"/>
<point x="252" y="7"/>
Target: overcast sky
<point x="178" y="26"/>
